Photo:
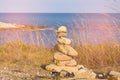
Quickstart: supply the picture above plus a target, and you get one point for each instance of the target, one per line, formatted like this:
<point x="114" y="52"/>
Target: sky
<point x="59" y="6"/>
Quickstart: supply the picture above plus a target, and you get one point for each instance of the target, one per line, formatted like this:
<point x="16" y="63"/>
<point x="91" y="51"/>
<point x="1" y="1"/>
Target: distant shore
<point x="9" y="26"/>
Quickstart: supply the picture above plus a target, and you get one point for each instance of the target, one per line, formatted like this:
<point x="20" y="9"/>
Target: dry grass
<point x="21" y="54"/>
<point x="99" y="56"/>
<point x="104" y="57"/>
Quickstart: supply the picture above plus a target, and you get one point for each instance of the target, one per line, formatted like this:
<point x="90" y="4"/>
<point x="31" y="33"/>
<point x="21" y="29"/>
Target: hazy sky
<point x="60" y="6"/>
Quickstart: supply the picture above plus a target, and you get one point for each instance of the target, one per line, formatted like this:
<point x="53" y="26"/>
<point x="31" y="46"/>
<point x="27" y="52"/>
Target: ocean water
<point x="56" y="19"/>
<point x="82" y="27"/>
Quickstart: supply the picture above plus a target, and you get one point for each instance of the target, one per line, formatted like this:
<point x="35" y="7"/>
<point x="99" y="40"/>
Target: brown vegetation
<point x="101" y="57"/>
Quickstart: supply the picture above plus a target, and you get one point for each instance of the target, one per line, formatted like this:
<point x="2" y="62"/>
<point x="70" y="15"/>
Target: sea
<point x="93" y="28"/>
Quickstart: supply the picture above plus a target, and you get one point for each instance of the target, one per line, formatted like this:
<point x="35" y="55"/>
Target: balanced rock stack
<point x="65" y="53"/>
<point x="64" y="58"/>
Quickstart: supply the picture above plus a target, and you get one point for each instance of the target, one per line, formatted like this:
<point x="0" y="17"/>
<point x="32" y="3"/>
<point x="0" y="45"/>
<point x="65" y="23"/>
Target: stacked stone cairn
<point x="65" y="54"/>
<point x="64" y="58"/>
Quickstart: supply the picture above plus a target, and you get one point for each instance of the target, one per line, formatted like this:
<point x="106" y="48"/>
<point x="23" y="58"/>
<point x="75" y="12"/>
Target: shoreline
<point x="9" y="26"/>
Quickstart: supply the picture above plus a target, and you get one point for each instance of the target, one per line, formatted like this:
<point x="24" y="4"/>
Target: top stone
<point x="62" y="29"/>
